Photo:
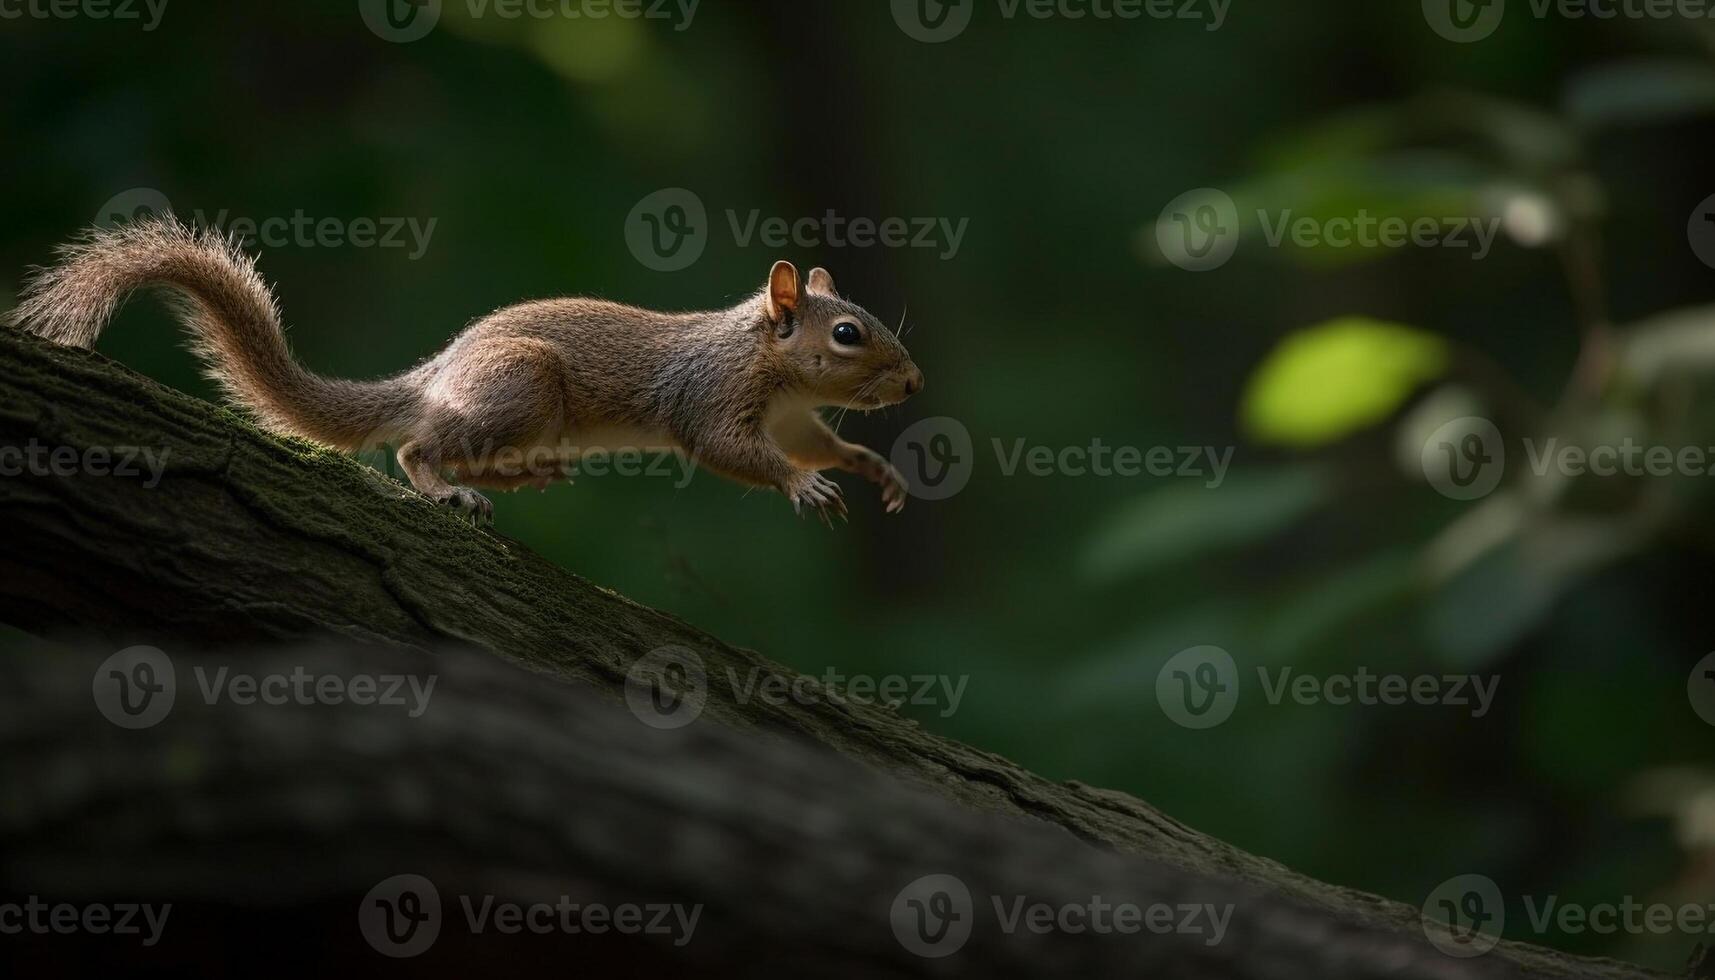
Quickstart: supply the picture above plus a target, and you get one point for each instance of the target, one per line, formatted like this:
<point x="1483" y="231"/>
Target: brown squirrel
<point x="519" y="393"/>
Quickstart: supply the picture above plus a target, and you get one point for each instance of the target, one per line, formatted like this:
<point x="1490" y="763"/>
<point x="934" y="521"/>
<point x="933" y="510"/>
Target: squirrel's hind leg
<point x="423" y="466"/>
<point x="494" y="421"/>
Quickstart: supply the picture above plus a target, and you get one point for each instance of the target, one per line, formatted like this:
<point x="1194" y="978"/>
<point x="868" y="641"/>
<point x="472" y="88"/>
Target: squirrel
<point x="518" y="394"/>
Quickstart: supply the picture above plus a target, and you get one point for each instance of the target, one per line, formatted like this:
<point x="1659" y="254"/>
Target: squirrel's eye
<point x="847" y="334"/>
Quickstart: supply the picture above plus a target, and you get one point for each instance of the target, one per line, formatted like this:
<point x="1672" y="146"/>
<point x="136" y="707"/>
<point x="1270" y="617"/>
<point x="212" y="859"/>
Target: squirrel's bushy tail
<point x="231" y="315"/>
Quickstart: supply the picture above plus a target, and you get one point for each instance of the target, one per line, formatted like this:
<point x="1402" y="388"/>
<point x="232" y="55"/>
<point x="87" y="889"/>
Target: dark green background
<point x="1060" y="141"/>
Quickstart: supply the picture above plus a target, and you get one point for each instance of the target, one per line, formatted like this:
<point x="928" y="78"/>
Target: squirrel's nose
<point x="913" y="381"/>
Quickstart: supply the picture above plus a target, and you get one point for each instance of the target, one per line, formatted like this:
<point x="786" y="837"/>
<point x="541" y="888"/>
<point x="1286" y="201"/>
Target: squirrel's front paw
<point x="893" y="489"/>
<point x="817" y="491"/>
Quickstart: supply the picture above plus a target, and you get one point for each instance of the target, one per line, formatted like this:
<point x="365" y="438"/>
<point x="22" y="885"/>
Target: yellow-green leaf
<point x="1329" y="381"/>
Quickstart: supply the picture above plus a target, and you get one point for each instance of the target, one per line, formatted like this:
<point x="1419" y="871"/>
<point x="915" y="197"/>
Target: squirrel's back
<point x="630" y="364"/>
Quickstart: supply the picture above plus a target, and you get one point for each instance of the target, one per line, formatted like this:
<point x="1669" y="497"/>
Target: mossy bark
<point x="250" y="539"/>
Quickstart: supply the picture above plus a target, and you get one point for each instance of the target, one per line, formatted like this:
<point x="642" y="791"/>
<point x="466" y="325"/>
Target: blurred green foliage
<point x="529" y="141"/>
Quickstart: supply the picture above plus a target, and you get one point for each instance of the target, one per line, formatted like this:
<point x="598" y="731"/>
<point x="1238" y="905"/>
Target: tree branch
<point x="250" y="539"/>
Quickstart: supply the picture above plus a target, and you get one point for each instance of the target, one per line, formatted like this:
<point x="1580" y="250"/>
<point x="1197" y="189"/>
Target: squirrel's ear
<point x="782" y="297"/>
<point x="822" y="282"/>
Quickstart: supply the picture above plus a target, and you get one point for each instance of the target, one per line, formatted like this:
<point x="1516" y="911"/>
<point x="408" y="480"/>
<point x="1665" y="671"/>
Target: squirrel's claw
<point x="820" y="493"/>
<point x="469" y="503"/>
<point x="893" y="489"/>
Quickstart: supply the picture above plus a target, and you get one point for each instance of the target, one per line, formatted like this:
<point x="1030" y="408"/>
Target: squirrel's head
<point x="839" y="353"/>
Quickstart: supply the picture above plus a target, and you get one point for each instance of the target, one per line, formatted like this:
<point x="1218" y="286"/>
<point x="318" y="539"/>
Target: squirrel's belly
<point x="614" y="438"/>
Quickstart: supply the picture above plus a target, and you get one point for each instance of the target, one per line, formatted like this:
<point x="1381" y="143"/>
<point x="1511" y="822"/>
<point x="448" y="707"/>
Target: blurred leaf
<point x="1528" y="140"/>
<point x="1189" y="520"/>
<point x="1505" y="591"/>
<point x="1684" y="793"/>
<point x="1640" y="92"/>
<point x="1505" y="138"/>
<point x="1295" y="629"/>
<point x="1402" y="186"/>
<point x="1329" y="381"/>
<point x="1349" y="136"/>
<point x="1677" y="341"/>
<point x="1490" y="606"/>
<point x="1484" y="526"/>
<point x="589" y="51"/>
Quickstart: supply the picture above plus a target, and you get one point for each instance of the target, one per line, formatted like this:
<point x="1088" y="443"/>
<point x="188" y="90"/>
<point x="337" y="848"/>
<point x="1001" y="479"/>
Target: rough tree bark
<point x="794" y="822"/>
